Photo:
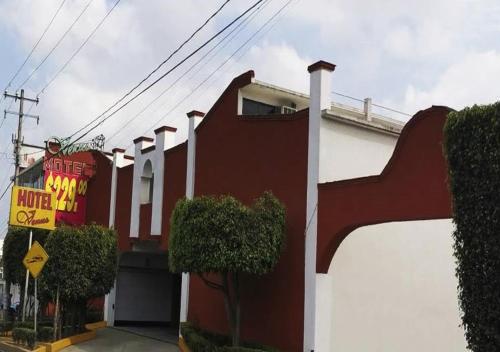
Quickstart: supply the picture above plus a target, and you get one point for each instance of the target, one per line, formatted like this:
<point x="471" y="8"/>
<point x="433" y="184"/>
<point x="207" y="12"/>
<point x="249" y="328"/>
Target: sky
<point x="406" y="55"/>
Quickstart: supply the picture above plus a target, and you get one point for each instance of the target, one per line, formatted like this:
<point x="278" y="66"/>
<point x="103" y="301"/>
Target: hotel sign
<point x="31" y="207"/>
<point x="66" y="147"/>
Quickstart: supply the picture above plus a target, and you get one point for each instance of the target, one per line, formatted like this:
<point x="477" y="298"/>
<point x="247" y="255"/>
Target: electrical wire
<point x="240" y="26"/>
<point x="167" y="73"/>
<point x="56" y="45"/>
<point x="219" y="67"/>
<point x="79" y="48"/>
<point x="35" y="46"/>
<point x="155" y="70"/>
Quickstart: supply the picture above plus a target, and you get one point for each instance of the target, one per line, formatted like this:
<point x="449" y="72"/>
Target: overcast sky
<point x="406" y="55"/>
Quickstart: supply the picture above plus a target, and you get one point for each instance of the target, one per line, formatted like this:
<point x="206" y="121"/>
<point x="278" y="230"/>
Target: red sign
<point x="70" y="195"/>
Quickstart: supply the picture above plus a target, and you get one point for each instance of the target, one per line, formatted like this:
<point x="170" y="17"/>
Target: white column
<point x="368" y="108"/>
<point x="194" y="119"/>
<point x="320" y="92"/>
<point x="109" y="299"/>
<point x="140" y="144"/>
<point x="165" y="139"/>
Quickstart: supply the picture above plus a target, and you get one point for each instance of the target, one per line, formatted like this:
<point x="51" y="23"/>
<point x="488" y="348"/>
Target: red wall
<point x="99" y="191"/>
<point x="413" y="186"/>
<point x="174" y="186"/>
<point x="123" y="204"/>
<point x="245" y="157"/>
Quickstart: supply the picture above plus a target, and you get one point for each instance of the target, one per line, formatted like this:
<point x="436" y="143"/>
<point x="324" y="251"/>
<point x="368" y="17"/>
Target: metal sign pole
<point x="27" y="281"/>
<point x="36" y="306"/>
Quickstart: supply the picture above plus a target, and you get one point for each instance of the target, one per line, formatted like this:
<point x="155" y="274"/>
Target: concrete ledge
<point x="68" y="341"/>
<point x="182" y="345"/>
<point x="9" y="346"/>
<point x="96" y="325"/>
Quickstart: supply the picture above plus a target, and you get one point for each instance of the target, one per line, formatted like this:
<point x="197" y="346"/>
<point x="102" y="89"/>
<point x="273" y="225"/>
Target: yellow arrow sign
<point x="35" y="259"/>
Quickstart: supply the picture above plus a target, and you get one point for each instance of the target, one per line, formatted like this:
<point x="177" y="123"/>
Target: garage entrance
<point x="147" y="293"/>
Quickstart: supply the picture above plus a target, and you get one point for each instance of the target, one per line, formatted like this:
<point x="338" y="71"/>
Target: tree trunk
<point x="56" y="316"/>
<point x="237" y="309"/>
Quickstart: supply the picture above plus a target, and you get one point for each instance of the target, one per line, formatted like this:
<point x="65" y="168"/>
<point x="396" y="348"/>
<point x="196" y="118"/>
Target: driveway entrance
<point x="117" y="340"/>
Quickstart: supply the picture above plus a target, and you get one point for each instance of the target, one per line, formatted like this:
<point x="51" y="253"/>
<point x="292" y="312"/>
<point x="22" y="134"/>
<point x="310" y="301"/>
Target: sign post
<point x="34" y="261"/>
<point x="26" y="282"/>
<point x="33" y="208"/>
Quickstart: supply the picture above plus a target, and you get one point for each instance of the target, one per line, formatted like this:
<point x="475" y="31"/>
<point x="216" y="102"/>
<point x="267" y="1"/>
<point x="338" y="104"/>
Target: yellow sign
<point x="32" y="207"/>
<point x="35" y="259"/>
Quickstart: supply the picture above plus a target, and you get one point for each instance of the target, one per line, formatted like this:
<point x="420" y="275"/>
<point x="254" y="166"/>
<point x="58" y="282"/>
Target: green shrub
<point x="24" y="336"/>
<point x="93" y="316"/>
<point x="17" y="335"/>
<point x="5" y="326"/>
<point x="30" y="338"/>
<point x="24" y="324"/>
<point x="45" y="333"/>
<point x="200" y="340"/>
<point x="472" y="148"/>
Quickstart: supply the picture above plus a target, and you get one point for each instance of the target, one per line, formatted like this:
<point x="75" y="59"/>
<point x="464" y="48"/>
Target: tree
<point x="222" y="236"/>
<point x="82" y="265"/>
<point x="472" y="147"/>
<point x="15" y="247"/>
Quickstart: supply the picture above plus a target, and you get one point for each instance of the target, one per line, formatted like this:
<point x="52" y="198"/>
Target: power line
<point x="220" y="66"/>
<point x="35" y="46"/>
<point x="156" y="69"/>
<point x="166" y="73"/>
<point x="56" y="45"/>
<point x="240" y="26"/>
<point x="80" y="48"/>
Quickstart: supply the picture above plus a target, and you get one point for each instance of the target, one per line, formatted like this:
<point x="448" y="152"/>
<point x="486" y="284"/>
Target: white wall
<point x="348" y="151"/>
<point x="391" y="288"/>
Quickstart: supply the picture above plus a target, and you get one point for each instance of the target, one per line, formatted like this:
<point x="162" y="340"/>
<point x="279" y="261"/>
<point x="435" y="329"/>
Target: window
<point x="252" y="107"/>
<point x="147" y="183"/>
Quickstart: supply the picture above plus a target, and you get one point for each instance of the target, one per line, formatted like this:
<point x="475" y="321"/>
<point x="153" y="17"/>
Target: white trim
<point x="190" y="178"/>
<point x="320" y="88"/>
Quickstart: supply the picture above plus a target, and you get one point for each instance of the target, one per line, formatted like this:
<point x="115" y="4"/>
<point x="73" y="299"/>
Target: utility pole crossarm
<point x="22" y="97"/>
<point x="19" y="139"/>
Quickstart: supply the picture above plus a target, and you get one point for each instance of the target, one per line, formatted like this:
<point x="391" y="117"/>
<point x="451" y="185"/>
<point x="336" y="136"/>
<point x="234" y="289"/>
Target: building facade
<point x="368" y="260"/>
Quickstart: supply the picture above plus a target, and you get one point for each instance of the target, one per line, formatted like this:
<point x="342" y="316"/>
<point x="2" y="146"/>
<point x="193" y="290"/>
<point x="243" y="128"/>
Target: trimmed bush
<point x="45" y="333"/>
<point x="5" y="326"/>
<point x="200" y="340"/>
<point x="472" y="147"/>
<point x="24" y="336"/>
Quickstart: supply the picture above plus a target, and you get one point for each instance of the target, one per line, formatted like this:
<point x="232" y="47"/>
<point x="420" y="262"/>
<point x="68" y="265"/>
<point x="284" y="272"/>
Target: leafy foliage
<point x="15" y="248"/>
<point x="82" y="262"/>
<point x="200" y="340"/>
<point x="82" y="265"/>
<point x="24" y="336"/>
<point x="221" y="235"/>
<point x="472" y="147"/>
<point x="210" y="234"/>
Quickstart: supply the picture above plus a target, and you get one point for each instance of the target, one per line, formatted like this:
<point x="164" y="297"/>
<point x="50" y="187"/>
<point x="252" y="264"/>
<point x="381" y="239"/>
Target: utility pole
<point x="19" y="138"/>
<point x="18" y="142"/>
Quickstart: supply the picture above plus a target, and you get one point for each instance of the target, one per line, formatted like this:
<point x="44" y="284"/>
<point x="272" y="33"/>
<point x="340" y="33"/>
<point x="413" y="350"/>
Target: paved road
<point x="113" y="340"/>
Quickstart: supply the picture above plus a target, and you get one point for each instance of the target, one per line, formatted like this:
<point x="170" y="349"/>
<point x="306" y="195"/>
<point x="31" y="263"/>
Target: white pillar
<point x="109" y="299"/>
<point x="320" y="92"/>
<point x="368" y="109"/>
<point x="140" y="144"/>
<point x="165" y="139"/>
<point x="194" y="119"/>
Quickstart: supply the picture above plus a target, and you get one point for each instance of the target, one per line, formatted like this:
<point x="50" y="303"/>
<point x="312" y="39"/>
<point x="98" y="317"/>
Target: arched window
<point x="147" y="183"/>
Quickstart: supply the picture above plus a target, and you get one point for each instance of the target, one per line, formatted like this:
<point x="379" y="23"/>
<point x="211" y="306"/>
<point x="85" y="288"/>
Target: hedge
<point x="199" y="340"/>
<point x="472" y="148"/>
<point x="24" y="336"/>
